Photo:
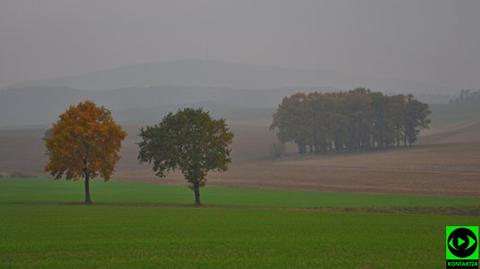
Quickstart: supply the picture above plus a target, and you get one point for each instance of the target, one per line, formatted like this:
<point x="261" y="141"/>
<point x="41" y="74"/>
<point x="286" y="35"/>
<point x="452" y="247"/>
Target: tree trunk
<point x="88" y="200"/>
<point x="196" y="190"/>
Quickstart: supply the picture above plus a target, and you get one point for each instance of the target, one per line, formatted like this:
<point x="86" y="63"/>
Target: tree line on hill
<point x="467" y="97"/>
<point x="349" y="121"/>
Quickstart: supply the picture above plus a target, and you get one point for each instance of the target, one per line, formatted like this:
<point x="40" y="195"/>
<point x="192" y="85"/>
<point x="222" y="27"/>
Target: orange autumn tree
<point x="84" y="143"/>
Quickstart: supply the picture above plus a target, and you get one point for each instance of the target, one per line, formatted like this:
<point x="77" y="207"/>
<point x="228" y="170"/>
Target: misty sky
<point x="434" y="41"/>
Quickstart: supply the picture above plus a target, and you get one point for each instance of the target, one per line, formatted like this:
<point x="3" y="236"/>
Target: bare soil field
<point x="445" y="163"/>
<point x="447" y="169"/>
<point x="22" y="150"/>
<point x="469" y="133"/>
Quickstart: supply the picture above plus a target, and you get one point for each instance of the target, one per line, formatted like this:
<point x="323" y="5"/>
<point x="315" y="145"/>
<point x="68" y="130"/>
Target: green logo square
<point x="461" y="242"/>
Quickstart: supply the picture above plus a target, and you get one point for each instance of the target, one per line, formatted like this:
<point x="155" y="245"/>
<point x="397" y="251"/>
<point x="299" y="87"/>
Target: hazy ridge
<point x="144" y="92"/>
<point x="219" y="74"/>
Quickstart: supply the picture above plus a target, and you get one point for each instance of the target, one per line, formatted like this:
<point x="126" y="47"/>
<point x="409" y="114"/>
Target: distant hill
<point x="33" y="106"/>
<point x="40" y="105"/>
<point x="153" y="114"/>
<point x="217" y="74"/>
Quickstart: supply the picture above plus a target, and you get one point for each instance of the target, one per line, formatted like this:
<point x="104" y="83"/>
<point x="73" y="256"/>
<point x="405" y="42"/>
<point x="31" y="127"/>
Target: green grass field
<point x="139" y="225"/>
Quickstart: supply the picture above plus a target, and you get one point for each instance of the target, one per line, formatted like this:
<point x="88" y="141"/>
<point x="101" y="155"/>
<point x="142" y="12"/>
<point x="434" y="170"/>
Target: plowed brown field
<point x="446" y="163"/>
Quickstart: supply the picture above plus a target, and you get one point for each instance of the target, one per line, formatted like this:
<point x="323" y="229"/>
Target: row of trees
<point x="85" y="143"/>
<point x="349" y="121"/>
<point x="467" y="97"/>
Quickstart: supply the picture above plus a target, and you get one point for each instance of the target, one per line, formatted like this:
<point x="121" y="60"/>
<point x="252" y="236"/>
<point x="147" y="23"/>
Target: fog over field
<point x="430" y="42"/>
<point x="239" y="133"/>
<point x="237" y="59"/>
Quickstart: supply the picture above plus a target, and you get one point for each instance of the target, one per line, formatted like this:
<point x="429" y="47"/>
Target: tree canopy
<point x="84" y="143"/>
<point x="190" y="141"/>
<point x="349" y="121"/>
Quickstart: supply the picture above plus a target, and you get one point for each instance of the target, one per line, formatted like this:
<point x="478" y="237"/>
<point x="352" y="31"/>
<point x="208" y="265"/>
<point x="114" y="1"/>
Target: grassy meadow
<point x="143" y="225"/>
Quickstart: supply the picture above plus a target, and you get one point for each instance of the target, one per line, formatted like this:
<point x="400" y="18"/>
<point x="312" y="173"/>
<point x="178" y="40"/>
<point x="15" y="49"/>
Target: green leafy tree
<point x="190" y="141"/>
